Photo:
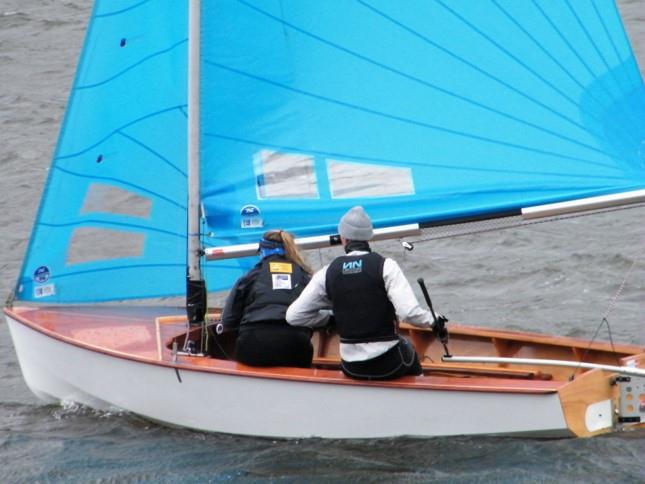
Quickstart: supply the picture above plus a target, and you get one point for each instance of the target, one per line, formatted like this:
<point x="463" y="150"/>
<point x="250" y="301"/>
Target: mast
<point x="195" y="286"/>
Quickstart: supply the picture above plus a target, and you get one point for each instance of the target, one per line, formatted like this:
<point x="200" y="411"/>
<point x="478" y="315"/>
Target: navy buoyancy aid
<point x="277" y="283"/>
<point x="362" y="310"/>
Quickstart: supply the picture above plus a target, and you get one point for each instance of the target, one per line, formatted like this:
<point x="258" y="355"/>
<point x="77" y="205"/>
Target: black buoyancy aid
<point x="362" y="310"/>
<point x="277" y="282"/>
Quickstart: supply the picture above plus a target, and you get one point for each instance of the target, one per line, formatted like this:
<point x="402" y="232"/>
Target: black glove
<point x="439" y="328"/>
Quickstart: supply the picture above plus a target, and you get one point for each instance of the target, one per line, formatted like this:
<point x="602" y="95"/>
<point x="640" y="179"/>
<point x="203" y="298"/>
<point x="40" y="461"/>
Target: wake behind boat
<point x="191" y="131"/>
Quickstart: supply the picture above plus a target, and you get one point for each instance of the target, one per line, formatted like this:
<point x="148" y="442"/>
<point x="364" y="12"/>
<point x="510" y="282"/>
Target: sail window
<point x="89" y="244"/>
<point x="353" y="180"/>
<point x="111" y="199"/>
<point x="285" y="175"/>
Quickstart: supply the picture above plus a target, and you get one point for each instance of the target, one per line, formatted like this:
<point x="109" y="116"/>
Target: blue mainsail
<point x="421" y="111"/>
<point x="465" y="108"/>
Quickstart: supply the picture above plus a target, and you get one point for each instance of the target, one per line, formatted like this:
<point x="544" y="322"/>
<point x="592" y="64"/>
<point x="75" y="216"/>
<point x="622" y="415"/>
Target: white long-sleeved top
<point x="313" y="308"/>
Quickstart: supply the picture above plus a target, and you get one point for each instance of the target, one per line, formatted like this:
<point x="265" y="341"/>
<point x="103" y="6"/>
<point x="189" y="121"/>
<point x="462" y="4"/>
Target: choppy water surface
<point x="557" y="278"/>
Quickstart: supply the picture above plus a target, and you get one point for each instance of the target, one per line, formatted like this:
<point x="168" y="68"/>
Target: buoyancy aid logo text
<point x="353" y="267"/>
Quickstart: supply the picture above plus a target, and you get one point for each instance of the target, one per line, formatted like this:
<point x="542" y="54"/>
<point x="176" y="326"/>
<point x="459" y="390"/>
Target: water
<point x="555" y="278"/>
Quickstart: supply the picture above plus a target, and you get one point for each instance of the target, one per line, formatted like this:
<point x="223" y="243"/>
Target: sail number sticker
<point x="44" y="290"/>
<point x="281" y="281"/>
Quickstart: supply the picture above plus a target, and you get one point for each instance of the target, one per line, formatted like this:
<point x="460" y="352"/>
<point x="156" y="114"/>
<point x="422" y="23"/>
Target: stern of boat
<point x="631" y="405"/>
<point x="598" y="401"/>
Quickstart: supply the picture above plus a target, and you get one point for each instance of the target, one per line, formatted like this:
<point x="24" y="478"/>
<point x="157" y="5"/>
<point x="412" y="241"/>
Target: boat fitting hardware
<point x="632" y="399"/>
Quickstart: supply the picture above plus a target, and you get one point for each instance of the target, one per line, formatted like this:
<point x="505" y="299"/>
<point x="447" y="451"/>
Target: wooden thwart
<point x="330" y="362"/>
<point x="478" y="370"/>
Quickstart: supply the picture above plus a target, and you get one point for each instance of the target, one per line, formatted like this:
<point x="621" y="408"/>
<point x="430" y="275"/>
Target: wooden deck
<point x="146" y="334"/>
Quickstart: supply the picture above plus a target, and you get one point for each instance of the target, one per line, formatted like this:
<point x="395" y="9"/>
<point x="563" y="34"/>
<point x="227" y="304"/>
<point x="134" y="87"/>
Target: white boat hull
<point x="56" y="370"/>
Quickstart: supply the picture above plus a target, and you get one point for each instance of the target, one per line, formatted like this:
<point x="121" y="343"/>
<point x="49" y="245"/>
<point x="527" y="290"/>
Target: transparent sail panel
<point x="285" y="175"/>
<point x="92" y="244"/>
<point x="111" y="199"/>
<point x="421" y="111"/>
<point x="356" y="180"/>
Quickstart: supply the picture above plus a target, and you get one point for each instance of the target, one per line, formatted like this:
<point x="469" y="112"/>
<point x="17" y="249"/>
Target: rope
<point x="221" y="348"/>
<point x="204" y="347"/>
<point x="612" y="303"/>
<point x="204" y="338"/>
<point x="501" y="224"/>
<point x="605" y="321"/>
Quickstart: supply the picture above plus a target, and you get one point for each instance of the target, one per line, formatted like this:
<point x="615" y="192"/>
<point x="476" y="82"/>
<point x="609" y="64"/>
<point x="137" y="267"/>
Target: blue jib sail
<point x="421" y="111"/>
<point x="112" y="222"/>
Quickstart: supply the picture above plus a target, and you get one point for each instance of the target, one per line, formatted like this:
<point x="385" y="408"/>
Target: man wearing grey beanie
<point x="367" y="294"/>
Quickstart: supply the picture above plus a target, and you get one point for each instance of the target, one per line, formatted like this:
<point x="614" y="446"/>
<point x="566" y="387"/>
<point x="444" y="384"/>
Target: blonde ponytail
<point x="290" y="248"/>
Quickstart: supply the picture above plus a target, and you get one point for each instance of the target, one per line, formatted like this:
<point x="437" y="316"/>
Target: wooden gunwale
<point x="536" y="339"/>
<point x="212" y="365"/>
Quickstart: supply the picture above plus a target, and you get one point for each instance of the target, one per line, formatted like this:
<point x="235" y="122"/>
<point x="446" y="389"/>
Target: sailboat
<point x="193" y="127"/>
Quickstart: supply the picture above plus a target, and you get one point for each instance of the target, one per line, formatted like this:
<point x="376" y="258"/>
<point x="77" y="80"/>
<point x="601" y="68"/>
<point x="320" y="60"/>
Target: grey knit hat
<point x="356" y="225"/>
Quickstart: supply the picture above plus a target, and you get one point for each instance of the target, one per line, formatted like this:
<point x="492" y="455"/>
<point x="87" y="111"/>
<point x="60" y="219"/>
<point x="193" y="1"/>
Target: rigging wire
<point x="605" y="321"/>
<point x="499" y="224"/>
<point x="204" y="331"/>
<point x="221" y="348"/>
<point x="203" y="343"/>
<point x="206" y="337"/>
<point x="11" y="297"/>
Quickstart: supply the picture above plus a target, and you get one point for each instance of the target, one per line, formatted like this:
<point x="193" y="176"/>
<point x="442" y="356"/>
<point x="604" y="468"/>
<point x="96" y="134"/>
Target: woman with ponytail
<point x="259" y="300"/>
